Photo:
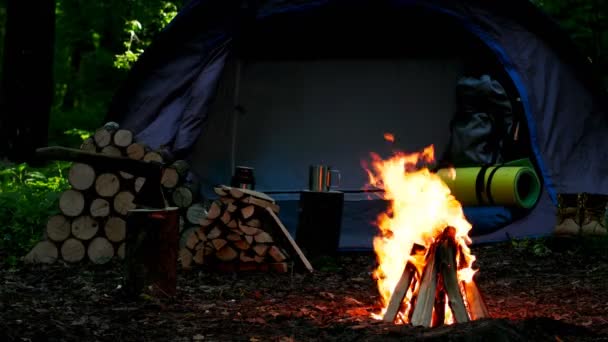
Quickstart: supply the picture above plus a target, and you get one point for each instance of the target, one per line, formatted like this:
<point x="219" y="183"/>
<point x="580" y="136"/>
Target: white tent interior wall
<point x="297" y="112"/>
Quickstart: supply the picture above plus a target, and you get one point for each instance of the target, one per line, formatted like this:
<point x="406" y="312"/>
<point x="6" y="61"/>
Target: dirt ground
<point x="561" y="296"/>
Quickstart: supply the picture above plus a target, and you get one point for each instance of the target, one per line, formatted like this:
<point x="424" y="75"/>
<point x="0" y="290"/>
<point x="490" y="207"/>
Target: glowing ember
<point x="421" y="207"/>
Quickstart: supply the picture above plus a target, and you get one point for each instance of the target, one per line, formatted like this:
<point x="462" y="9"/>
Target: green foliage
<point x="537" y="247"/>
<point x="96" y="44"/>
<point x="587" y="23"/>
<point x="28" y="196"/>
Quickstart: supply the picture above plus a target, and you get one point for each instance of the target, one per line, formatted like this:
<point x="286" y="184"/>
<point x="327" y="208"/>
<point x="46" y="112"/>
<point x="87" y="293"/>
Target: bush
<point x="28" y="196"/>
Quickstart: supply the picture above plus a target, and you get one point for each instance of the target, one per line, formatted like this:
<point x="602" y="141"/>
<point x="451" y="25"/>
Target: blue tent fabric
<point x="169" y="92"/>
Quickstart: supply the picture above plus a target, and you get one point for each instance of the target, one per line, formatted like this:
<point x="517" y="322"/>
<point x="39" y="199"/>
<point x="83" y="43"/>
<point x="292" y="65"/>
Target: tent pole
<point x="235" y="115"/>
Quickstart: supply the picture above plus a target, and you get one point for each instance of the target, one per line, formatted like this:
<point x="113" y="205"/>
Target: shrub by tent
<point x="280" y="85"/>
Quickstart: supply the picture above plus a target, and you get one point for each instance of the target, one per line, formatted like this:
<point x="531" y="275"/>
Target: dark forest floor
<point x="562" y="296"/>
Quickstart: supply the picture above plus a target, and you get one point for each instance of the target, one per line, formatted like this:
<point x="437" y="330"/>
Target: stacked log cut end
<point x="238" y="234"/>
<point x="92" y="224"/>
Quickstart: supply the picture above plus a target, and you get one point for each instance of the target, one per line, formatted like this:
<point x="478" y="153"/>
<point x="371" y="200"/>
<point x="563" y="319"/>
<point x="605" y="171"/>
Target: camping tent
<point x="278" y="85"/>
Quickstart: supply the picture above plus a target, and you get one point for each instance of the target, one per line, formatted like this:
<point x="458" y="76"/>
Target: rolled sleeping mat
<point x="515" y="186"/>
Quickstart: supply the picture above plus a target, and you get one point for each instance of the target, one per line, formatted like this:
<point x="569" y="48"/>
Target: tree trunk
<point x="27" y="83"/>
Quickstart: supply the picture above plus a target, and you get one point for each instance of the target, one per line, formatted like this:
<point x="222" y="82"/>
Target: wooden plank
<point x="446" y="256"/>
<point x="477" y="306"/>
<point x="398" y="295"/>
<point x="249" y="192"/>
<point x="291" y="241"/>
<point x="423" y="311"/>
<point x="261" y="203"/>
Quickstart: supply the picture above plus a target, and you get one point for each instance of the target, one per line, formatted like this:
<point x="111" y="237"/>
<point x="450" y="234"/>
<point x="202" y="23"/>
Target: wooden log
<point x="276" y="254"/>
<point x="233" y="237"/>
<point x="185" y="258"/>
<point x="261" y="203"/>
<point x="185" y="236"/>
<point x="214" y="233"/>
<point x="206" y="222"/>
<point x="103" y="135"/>
<point x="100" y="250"/>
<point x="200" y="232"/>
<point x="249" y="239"/>
<point x="152" y="252"/>
<point x="72" y="250"/>
<point x="123" y="202"/>
<point x="136" y="151"/>
<point x="199" y="254"/>
<point x="292" y="244"/>
<point x="227" y="200"/>
<point x="115" y="229"/>
<point x="247" y="212"/>
<point x="99" y="207"/>
<point x="220" y="191"/>
<point x="120" y="251"/>
<point x="260" y="250"/>
<point x="139" y="182"/>
<point x="71" y="203"/>
<point x="123" y="138"/>
<point x="279" y="267"/>
<point x="153" y="156"/>
<point x="226" y="253"/>
<point x="231" y="208"/>
<point x="242" y="245"/>
<point x="255" y="223"/>
<point x="218" y="243"/>
<point x="44" y="252"/>
<point x="85" y="227"/>
<point x="192" y="239"/>
<point x="476" y="304"/>
<point x="183" y="196"/>
<point x="423" y="311"/>
<point x="58" y="228"/>
<point x="263" y="237"/>
<point x="232" y="224"/>
<point x="196" y="213"/>
<point x="245" y="257"/>
<point x="399" y="293"/>
<point x="88" y="145"/>
<point x="215" y="210"/>
<point x="226" y="217"/>
<point x="240" y="192"/>
<point x="81" y="176"/>
<point x="107" y="185"/>
<point x="170" y="178"/>
<point x="126" y="175"/>
<point x="446" y="257"/>
<point x="111" y="151"/>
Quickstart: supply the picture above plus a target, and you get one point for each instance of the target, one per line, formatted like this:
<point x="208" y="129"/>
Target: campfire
<point x="425" y="267"/>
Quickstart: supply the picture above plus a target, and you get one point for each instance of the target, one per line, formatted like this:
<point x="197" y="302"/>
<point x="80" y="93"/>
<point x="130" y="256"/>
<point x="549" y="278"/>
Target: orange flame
<point x="389" y="137"/>
<point x="421" y="207"/>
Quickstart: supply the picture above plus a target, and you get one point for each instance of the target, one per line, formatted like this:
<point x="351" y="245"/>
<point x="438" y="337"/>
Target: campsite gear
<point x="482" y="122"/>
<point x="569" y="215"/>
<point x="348" y="84"/>
<point x="494" y="185"/>
<point x="320" y="222"/>
<point x="320" y="179"/>
<point x="593" y="208"/>
<point x="151" y="251"/>
<point x="243" y="178"/>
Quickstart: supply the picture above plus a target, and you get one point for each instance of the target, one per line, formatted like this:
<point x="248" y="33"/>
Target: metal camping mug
<point x="320" y="179"/>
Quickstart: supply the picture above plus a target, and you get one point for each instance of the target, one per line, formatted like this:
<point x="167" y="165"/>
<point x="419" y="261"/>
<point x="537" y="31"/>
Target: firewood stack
<point x="92" y="220"/>
<point x="241" y="232"/>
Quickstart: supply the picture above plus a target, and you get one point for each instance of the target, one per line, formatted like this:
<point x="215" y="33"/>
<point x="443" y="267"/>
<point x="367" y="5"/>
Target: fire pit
<point x="425" y="267"/>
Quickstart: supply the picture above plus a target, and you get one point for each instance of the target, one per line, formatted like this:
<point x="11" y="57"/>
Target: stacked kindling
<point x="92" y="220"/>
<point x="238" y="234"/>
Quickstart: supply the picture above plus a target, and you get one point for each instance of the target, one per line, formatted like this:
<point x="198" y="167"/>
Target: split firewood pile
<point x="92" y="224"/>
<point x="241" y="232"/>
